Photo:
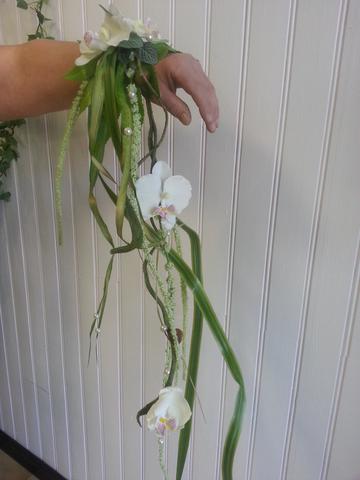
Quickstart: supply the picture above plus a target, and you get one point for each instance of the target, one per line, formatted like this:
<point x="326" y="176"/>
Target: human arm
<point x="32" y="81"/>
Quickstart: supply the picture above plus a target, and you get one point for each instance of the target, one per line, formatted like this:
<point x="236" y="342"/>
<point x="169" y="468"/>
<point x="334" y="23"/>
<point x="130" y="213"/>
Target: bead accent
<point x="128" y="131"/>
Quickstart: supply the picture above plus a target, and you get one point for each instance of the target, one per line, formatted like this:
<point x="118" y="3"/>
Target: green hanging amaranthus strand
<point x="118" y="78"/>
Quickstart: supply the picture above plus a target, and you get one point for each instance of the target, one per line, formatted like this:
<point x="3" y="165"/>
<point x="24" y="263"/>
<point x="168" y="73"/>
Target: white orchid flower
<point x="114" y="29"/>
<point x="170" y="412"/>
<point x="90" y="47"/>
<point x="161" y="194"/>
<point x="147" y="29"/>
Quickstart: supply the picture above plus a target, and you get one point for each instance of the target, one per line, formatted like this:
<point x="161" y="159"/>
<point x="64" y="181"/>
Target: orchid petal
<point x="148" y="191"/>
<point x="162" y="170"/>
<point x="86" y="57"/>
<point x="168" y="222"/>
<point x="170" y="410"/>
<point x="115" y="27"/>
<point x="176" y="192"/>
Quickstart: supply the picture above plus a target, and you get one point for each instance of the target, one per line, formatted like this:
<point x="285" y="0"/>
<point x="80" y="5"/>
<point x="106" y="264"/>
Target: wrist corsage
<point x="117" y="75"/>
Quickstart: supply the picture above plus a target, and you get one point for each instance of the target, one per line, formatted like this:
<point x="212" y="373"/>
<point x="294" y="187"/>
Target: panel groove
<point x="56" y="262"/>
<point x="142" y="308"/>
<point x="75" y="253"/>
<point x="25" y="274"/>
<point x="77" y="308"/>
<point x="7" y="373"/>
<point x="314" y="235"/>
<point x="28" y="319"/>
<point x="271" y="231"/>
<point x="201" y="189"/>
<point x="16" y="332"/>
<point x="233" y="212"/>
<point x="42" y="291"/>
<point x="342" y="362"/>
<point x="98" y="345"/>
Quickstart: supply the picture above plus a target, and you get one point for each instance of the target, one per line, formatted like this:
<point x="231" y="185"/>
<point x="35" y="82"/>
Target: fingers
<point x="175" y="105"/>
<point x="181" y="70"/>
<point x="191" y="77"/>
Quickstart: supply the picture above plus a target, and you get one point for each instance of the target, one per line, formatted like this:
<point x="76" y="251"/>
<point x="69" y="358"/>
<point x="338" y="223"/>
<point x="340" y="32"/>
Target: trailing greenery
<point x="36" y="7"/>
<point x="8" y="151"/>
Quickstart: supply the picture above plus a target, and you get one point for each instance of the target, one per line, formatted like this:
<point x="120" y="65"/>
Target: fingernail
<point x="213" y="126"/>
<point x="185" y="118"/>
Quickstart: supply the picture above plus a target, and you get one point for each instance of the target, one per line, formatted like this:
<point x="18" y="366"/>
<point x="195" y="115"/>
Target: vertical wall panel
<point x="275" y="199"/>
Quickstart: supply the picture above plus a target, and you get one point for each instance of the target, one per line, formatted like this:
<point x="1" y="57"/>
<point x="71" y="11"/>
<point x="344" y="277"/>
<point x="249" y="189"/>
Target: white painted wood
<point x="275" y="199"/>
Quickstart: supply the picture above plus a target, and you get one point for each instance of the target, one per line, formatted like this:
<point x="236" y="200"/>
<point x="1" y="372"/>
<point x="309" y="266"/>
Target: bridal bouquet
<point x="117" y="79"/>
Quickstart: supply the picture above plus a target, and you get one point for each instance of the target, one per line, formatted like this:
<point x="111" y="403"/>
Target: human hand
<point x="181" y="70"/>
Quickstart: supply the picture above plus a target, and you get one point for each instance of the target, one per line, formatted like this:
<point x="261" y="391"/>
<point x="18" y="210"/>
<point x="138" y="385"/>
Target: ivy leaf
<point x="148" y="54"/>
<point x="34" y="36"/>
<point x="123" y="56"/>
<point x="22" y="4"/>
<point x="5" y="196"/>
<point x="134" y="42"/>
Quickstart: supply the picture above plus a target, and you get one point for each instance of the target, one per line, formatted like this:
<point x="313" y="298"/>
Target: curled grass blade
<point x="194" y="284"/>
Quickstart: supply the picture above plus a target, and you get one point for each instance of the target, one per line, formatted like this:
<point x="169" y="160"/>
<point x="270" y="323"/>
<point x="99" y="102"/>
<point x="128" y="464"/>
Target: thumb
<point x="175" y="106"/>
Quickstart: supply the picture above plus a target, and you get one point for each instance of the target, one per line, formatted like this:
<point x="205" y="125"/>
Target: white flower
<point x="114" y="29"/>
<point x="161" y="194"/>
<point x="170" y="412"/>
<point x="90" y="47"/>
<point x="147" y="29"/>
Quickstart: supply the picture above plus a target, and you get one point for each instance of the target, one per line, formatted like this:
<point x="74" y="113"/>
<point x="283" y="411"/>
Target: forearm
<point x="32" y="78"/>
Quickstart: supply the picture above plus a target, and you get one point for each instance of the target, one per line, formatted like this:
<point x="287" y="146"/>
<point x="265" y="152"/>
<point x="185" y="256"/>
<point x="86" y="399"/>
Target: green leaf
<point x="83" y="72"/>
<point x="123" y="56"/>
<point x="134" y="42"/>
<point x="22" y="4"/>
<point x="121" y="142"/>
<point x="5" y="196"/>
<point x="194" y="355"/>
<point x="162" y="49"/>
<point x="34" y="36"/>
<point x="101" y="308"/>
<point x="97" y="104"/>
<point x="194" y="284"/>
<point x="136" y="230"/>
<point x="148" y="54"/>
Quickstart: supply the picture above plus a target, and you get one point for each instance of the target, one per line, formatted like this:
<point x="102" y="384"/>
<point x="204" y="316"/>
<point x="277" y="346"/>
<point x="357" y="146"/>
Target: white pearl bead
<point x="132" y="95"/>
<point x="128" y="131"/>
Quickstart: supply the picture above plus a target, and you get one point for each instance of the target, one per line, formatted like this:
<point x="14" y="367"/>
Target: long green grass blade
<point x="193" y="364"/>
<point x="194" y="283"/>
<point x="100" y="311"/>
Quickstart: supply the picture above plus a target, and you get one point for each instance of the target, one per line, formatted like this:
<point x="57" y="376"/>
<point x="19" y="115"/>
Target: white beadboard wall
<point x="276" y="201"/>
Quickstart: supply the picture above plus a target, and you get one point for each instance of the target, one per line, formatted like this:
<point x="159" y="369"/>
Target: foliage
<point x="8" y="151"/>
<point x="36" y="7"/>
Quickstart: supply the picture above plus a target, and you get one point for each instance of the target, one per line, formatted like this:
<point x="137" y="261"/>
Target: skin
<point x="32" y="82"/>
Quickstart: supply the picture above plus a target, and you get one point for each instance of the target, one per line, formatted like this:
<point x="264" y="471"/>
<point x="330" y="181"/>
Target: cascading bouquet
<point x="116" y="71"/>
